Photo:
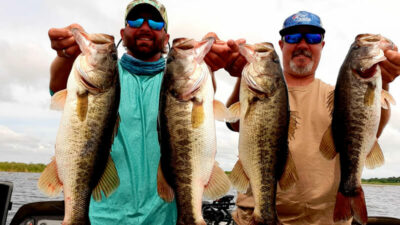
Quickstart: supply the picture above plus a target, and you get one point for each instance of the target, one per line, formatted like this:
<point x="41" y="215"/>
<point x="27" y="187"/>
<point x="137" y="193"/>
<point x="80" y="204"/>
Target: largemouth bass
<point x="82" y="160"/>
<point x="264" y="115"/>
<point x="355" y="120"/>
<point x="187" y="131"/>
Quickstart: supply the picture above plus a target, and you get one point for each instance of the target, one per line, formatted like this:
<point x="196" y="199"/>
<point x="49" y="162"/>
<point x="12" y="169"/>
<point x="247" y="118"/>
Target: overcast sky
<point x="28" y="128"/>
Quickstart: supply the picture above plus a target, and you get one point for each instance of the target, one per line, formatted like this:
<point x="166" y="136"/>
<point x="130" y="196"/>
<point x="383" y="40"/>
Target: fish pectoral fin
<point x="234" y="112"/>
<point x="289" y="175"/>
<point x="330" y="102"/>
<point x="82" y="105"/>
<point x="108" y="182"/>
<point x="58" y="100"/>
<point x="294" y="117"/>
<point x="49" y="181"/>
<point x="221" y="112"/>
<point x="163" y="188"/>
<point x="375" y="157"/>
<point x="327" y="146"/>
<point x="239" y="178"/>
<point x="197" y="114"/>
<point x="386" y="98"/>
<point x="218" y="184"/>
<point x="369" y="96"/>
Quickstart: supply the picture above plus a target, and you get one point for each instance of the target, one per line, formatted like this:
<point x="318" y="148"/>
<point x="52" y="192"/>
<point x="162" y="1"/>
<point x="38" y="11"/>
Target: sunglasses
<point x="155" y="25"/>
<point x="309" y="38"/>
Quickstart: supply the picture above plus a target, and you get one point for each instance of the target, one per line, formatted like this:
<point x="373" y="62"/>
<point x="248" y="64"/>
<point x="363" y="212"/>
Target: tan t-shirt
<point x="312" y="199"/>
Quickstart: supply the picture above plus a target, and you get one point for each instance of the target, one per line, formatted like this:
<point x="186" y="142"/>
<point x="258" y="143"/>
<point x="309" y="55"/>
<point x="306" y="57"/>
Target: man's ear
<point x="166" y="39"/>
<point x="281" y="44"/>
<point x="323" y="44"/>
<point x="121" y="32"/>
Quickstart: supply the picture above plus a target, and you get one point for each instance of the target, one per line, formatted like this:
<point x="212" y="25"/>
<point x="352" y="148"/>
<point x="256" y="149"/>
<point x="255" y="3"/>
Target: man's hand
<point x="225" y="55"/>
<point x="63" y="42"/>
<point x="390" y="67"/>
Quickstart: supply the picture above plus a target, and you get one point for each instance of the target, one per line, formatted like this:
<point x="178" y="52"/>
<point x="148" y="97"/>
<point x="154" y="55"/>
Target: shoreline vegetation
<point x="39" y="167"/>
<point x="21" y="167"/>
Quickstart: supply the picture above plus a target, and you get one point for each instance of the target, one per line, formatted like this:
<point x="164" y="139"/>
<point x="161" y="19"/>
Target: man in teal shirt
<point x="135" y="150"/>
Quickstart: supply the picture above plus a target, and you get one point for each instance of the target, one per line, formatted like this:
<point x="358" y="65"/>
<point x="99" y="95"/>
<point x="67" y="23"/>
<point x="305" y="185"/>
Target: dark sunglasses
<point x="155" y="25"/>
<point x="309" y="38"/>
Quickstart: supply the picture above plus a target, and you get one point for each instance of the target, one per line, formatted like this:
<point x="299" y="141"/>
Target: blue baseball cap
<point x="302" y="18"/>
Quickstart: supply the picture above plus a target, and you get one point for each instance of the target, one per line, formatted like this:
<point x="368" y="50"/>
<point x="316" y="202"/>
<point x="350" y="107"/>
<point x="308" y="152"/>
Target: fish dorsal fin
<point x="327" y="146"/>
<point x="234" y="111"/>
<point x="330" y="102"/>
<point x="375" y="157"/>
<point x="202" y="48"/>
<point x="49" y="183"/>
<point x="239" y="178"/>
<point x="58" y="100"/>
<point x="163" y="188"/>
<point x="218" y="184"/>
<point x="289" y="175"/>
<point x="293" y="123"/>
<point x="108" y="182"/>
<point x="386" y="98"/>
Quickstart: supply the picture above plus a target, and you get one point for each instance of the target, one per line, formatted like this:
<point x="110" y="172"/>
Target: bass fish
<point x="356" y="103"/>
<point x="82" y="164"/>
<point x="265" y="124"/>
<point x="187" y="111"/>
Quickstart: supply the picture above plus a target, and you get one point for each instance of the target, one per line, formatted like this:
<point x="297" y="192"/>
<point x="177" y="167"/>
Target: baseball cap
<point x="154" y="3"/>
<point x="302" y="18"/>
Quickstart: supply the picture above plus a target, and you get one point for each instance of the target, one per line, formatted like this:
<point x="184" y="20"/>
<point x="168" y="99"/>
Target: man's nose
<point x="302" y="43"/>
<point x="145" y="26"/>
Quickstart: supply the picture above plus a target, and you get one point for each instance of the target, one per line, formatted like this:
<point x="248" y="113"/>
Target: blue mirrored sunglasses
<point x="155" y="25"/>
<point x="309" y="38"/>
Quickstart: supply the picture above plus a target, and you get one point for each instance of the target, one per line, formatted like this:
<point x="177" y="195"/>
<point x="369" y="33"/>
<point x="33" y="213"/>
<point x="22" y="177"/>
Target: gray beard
<point x="304" y="70"/>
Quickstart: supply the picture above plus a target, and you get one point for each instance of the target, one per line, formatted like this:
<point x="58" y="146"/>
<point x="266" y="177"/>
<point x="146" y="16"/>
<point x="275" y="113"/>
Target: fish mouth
<point x="196" y="86"/>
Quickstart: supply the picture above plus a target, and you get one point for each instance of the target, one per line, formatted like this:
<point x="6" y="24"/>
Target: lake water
<point x="381" y="200"/>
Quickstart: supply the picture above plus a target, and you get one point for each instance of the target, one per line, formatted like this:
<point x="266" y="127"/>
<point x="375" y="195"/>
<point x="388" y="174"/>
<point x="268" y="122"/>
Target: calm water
<point x="381" y="200"/>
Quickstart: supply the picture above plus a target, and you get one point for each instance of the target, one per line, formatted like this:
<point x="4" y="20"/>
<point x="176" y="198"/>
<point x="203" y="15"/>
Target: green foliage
<point x="21" y="167"/>
<point x="389" y="180"/>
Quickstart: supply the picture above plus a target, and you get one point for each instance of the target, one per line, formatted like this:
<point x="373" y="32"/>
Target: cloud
<point x="19" y="147"/>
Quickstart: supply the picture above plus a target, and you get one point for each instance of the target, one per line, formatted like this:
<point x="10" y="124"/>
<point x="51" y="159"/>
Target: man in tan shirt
<point x="312" y="199"/>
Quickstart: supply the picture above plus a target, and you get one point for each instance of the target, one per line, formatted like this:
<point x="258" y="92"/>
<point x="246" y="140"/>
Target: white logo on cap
<point x="301" y="17"/>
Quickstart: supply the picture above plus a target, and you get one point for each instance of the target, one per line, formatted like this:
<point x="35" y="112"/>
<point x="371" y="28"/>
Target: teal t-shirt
<point x="136" y="154"/>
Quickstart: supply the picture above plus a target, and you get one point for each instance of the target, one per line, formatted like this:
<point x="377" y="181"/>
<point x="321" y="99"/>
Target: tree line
<point x="21" y="167"/>
<point x="382" y="180"/>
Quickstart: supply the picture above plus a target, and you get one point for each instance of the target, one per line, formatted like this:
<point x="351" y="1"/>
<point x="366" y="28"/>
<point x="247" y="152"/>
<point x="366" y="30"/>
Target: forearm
<point x="59" y="72"/>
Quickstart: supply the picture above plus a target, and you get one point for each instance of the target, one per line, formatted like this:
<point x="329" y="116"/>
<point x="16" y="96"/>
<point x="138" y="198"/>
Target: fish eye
<point x="114" y="56"/>
<point x="275" y="60"/>
<point x="356" y="47"/>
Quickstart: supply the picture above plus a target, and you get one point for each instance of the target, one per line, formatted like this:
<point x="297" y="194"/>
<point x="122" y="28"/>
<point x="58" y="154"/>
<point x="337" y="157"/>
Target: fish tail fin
<point x="58" y="100"/>
<point x="108" y="182"/>
<point x="342" y="211"/>
<point x="375" y="157"/>
<point x="239" y="178"/>
<point x="49" y="182"/>
<point x="163" y="188"/>
<point x="358" y="207"/>
<point x="327" y="146"/>
<point x="289" y="175"/>
<point x="218" y="184"/>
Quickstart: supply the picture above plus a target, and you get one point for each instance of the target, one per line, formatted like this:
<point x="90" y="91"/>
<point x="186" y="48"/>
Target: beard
<point x="145" y="51"/>
<point x="301" y="70"/>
